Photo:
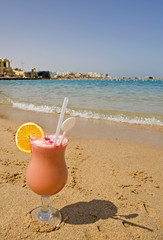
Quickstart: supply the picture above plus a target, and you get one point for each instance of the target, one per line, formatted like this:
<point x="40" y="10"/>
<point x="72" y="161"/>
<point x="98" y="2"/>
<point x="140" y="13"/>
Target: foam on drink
<point x="48" y="141"/>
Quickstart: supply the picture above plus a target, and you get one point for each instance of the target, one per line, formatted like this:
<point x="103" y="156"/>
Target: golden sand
<point x="114" y="190"/>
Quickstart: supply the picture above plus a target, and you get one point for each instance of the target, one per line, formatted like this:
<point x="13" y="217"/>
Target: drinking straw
<point x="64" y="105"/>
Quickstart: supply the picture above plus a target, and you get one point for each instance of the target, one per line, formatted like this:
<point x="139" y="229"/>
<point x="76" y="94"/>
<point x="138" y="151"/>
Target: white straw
<point x="62" y="138"/>
<point x="64" y="105"/>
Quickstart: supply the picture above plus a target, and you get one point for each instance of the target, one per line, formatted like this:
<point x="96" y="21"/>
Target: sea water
<point x="130" y="101"/>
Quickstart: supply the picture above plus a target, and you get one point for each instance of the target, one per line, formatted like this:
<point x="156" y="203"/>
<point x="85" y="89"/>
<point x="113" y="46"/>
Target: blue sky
<point x="118" y="37"/>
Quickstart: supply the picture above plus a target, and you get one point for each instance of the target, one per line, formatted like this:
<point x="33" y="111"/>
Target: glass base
<point x="51" y="216"/>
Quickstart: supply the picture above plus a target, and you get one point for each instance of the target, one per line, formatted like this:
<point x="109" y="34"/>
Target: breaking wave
<point x="92" y="114"/>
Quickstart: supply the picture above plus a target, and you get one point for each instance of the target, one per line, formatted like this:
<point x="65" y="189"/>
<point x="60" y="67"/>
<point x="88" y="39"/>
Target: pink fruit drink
<point x="47" y="171"/>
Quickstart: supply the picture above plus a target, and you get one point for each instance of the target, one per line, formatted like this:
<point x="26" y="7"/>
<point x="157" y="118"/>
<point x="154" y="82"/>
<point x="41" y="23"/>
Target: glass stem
<point x="44" y="214"/>
<point x="44" y="201"/>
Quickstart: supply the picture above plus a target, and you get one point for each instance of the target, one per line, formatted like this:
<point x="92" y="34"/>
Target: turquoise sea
<point x="130" y="101"/>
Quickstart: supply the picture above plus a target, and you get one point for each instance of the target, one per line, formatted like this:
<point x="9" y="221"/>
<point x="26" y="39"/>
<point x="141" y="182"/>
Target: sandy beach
<point x="114" y="188"/>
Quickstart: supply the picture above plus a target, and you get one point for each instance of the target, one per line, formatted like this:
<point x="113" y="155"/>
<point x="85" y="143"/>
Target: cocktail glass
<point x="46" y="175"/>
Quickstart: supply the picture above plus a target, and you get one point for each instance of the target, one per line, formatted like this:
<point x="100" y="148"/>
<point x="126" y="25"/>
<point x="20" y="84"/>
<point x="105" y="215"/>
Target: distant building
<point x="53" y="75"/>
<point x="18" y="72"/>
<point x="149" y="78"/>
<point x="43" y="74"/>
<point x="5" y="68"/>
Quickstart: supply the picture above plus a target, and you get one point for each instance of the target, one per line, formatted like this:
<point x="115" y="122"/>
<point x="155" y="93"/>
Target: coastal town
<point x="9" y="73"/>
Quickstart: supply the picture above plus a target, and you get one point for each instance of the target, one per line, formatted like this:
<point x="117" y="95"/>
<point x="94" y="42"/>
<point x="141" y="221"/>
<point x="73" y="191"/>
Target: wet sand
<point x="89" y="128"/>
<point x="114" y="188"/>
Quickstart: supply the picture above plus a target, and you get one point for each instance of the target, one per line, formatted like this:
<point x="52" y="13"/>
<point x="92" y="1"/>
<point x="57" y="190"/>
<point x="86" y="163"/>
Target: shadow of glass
<point x="88" y="212"/>
<point x="129" y="216"/>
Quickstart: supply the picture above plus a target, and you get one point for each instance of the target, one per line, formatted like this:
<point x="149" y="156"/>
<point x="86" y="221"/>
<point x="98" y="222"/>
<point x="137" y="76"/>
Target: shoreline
<point x="71" y="78"/>
<point x="89" y="128"/>
<point x="133" y="102"/>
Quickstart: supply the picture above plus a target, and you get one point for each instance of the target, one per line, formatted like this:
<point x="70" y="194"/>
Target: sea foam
<point x="89" y="114"/>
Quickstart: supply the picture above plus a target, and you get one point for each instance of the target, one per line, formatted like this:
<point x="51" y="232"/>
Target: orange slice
<point x="23" y="134"/>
